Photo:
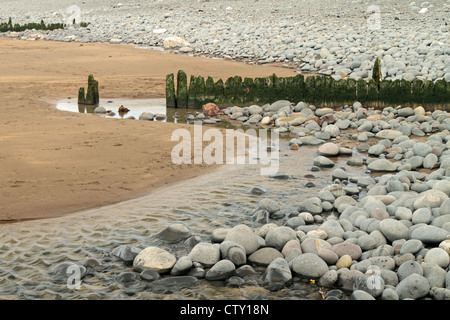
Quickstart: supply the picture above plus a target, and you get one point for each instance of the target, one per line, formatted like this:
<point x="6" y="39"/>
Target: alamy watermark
<point x="374" y="19"/>
<point x="73" y="273"/>
<point x="236" y="147"/>
<point x="74" y="13"/>
<point x="374" y="280"/>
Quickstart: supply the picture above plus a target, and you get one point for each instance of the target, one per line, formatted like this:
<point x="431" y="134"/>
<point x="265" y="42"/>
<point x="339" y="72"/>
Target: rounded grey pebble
<point x="361" y="295"/>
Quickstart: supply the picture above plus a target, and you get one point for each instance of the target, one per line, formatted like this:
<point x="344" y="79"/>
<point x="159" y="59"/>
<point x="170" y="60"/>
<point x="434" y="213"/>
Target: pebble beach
<point x="361" y="211"/>
<point x="335" y="38"/>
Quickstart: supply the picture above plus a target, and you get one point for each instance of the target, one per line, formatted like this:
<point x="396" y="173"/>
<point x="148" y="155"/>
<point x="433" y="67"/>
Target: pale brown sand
<point x="54" y="162"/>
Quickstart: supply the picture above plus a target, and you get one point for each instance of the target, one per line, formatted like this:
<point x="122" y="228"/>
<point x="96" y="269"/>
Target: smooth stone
<point x="344" y="262"/>
<point x="269" y="205"/>
<point x="182" y="266"/>
<point x="382" y="165"/>
<point x="328" y="280"/>
<point x="257" y="190"/>
<point x="422" y="215"/>
<point x="347" y="248"/>
<point x="312" y="205"/>
<point x="328" y="149"/>
<point x="361" y="295"/>
<point x="205" y="253"/>
<point x="411" y="246"/>
<point x="277" y="274"/>
<point x="243" y="235"/>
<point x="219" y="234"/>
<point x="414" y="286"/>
<point x="154" y="258"/>
<point x="430" y="199"/>
<point x="279" y="236"/>
<point x="314" y="245"/>
<point x="333" y="228"/>
<point x="408" y="268"/>
<point x="429" y="234"/>
<point x="388" y="134"/>
<point x="126" y="253"/>
<point x="435" y="275"/>
<point x="264" y="256"/>
<point x="393" y="229"/>
<point x="329" y="256"/>
<point x="233" y="252"/>
<point x="174" y="233"/>
<point x="221" y="270"/>
<point x="100" y="110"/>
<point x="437" y="256"/>
<point x="309" y="265"/>
<point x="322" y="161"/>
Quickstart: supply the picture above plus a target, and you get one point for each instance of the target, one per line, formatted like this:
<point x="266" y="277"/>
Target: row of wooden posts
<point x="318" y="90"/>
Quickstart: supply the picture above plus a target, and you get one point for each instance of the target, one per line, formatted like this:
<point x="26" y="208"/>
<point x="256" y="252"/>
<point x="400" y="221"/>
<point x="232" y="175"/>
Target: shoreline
<point x="41" y="181"/>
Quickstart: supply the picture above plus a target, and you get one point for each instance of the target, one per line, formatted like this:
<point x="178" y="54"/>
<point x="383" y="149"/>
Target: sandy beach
<point x="54" y="162"/>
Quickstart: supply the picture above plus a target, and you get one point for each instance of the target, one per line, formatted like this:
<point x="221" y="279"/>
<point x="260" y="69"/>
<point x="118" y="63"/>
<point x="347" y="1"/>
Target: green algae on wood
<point x="182" y="90"/>
<point x="171" y="100"/>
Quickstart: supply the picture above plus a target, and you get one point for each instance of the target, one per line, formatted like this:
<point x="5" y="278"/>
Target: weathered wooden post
<point x="171" y="100"/>
<point x="192" y="94"/>
<point x="361" y="91"/>
<point x="210" y="90"/>
<point x="92" y="95"/>
<point x="182" y="90"/>
<point x="372" y="92"/>
<point x="219" y="92"/>
<point x="417" y="91"/>
<point x="376" y="72"/>
<point x="249" y="90"/>
<point x="81" y="96"/>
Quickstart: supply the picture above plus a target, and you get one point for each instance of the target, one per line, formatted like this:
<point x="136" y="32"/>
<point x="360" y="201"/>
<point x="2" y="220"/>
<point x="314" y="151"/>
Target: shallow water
<point x="136" y="108"/>
<point x="28" y="250"/>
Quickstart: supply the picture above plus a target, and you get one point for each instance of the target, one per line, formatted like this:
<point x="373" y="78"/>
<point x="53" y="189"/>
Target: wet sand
<point x="54" y="162"/>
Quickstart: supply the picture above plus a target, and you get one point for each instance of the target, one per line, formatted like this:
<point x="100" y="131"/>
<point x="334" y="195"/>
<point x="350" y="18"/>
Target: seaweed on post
<point x="249" y="90"/>
<point x="182" y="89"/>
<point x="428" y="92"/>
<point x="417" y="91"/>
<point x="92" y="94"/>
<point x="219" y="97"/>
<point x="200" y="92"/>
<point x="171" y="101"/>
<point x="81" y="96"/>
<point x="361" y="91"/>
<point x="310" y="88"/>
<point x="372" y="92"/>
<point x="210" y="90"/>
<point x="376" y="72"/>
<point x="350" y="91"/>
<point x="192" y="95"/>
